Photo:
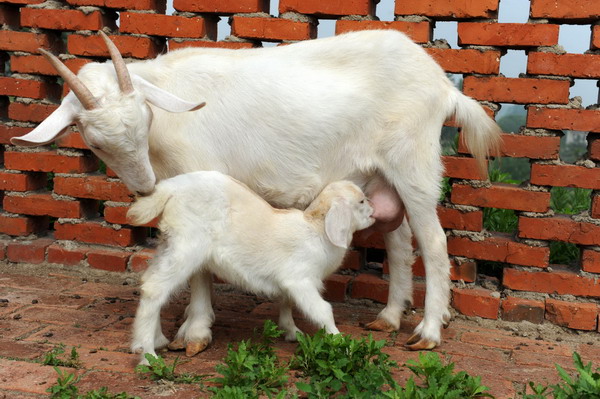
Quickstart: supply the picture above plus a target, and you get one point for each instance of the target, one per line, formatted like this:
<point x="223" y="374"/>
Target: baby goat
<point x="211" y="223"/>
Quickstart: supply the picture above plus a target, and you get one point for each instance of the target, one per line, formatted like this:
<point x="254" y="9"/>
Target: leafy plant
<point x="500" y="220"/>
<point x="342" y="367"/>
<point x="584" y="385"/>
<point x="55" y="357"/>
<point x="65" y="388"/>
<point x="159" y="370"/>
<point x="438" y="381"/>
<point x="570" y="201"/>
<point x="252" y="368"/>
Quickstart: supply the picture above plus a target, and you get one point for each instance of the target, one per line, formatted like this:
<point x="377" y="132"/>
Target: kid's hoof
<point x="416" y="343"/>
<point x="193" y="348"/>
<point x="380" y="325"/>
<point x="176" y="345"/>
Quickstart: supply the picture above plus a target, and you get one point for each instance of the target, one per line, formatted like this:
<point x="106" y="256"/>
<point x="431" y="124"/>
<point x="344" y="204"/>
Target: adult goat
<point x="365" y="106"/>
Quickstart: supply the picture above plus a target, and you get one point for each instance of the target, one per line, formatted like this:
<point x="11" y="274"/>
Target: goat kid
<point x="211" y="223"/>
<point x="363" y="106"/>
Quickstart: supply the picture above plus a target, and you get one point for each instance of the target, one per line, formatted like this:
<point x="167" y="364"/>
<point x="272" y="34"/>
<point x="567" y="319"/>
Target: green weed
<point x="55" y="357"/>
<point x="570" y="201"/>
<point x="65" y="388"/>
<point x="159" y="370"/>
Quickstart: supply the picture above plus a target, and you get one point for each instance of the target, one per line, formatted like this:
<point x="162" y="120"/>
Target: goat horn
<point x="120" y="67"/>
<point x="84" y="95"/>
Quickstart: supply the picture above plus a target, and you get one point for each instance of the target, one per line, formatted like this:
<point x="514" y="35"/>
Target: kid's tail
<point x="145" y="209"/>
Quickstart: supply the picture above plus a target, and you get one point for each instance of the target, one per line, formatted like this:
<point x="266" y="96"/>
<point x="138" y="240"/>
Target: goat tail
<point x="480" y="133"/>
<point x="146" y="209"/>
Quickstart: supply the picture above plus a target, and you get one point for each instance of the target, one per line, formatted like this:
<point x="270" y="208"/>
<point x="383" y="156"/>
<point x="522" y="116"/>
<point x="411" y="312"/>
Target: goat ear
<point x="163" y="99"/>
<point x="53" y="125"/>
<point x="338" y="222"/>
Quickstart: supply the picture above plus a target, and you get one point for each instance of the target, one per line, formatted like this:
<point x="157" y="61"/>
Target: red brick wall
<point x="60" y="207"/>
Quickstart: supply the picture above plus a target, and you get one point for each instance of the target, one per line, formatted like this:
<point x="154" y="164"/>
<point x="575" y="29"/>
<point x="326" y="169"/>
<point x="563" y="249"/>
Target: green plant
<point x="55" y="357"/>
<point x="585" y="384"/>
<point x="65" y="389"/>
<point x="252" y="368"/>
<point x="500" y="220"/>
<point x="438" y="381"/>
<point x="159" y="370"/>
<point x="337" y="365"/>
<point x="563" y="253"/>
<point x="570" y="201"/>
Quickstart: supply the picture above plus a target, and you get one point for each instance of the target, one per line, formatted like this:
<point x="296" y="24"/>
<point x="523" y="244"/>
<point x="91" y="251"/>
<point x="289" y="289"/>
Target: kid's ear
<point x="338" y="222"/>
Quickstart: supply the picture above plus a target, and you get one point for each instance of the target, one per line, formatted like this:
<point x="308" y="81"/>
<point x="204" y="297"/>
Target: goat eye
<point x="362" y="202"/>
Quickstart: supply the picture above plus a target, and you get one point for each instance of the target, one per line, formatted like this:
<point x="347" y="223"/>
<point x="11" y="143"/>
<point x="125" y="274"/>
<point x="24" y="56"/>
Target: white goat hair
<point x="211" y="223"/>
<point x="364" y="106"/>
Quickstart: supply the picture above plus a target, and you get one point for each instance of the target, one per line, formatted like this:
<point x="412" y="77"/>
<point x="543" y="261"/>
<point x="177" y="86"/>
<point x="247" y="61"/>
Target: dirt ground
<point x="42" y="306"/>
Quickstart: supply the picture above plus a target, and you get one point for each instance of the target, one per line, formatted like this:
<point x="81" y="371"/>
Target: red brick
<point x="466" y="60"/>
<point x="448" y="8"/>
<point x="373" y="240"/>
<point x="27" y="88"/>
<point x="22" y="226"/>
<point x="476" y="302"/>
<point x="23" y="2"/>
<point x="63" y="19"/>
<point x="178" y="44"/>
<point x="152" y="5"/>
<point x="465" y="271"/>
<point x="565" y="9"/>
<point x="26" y="41"/>
<point x="114" y="261"/>
<point x="564" y="119"/>
<point x="336" y="287"/>
<point x="167" y="25"/>
<point x="95" y="187"/>
<point x="517" y="90"/>
<point x="71" y="140"/>
<point x="328" y="8"/>
<point x="28" y="251"/>
<point x="499" y="248"/>
<point x="559" y="228"/>
<point x="596" y="37"/>
<point x="33" y="112"/>
<point x="140" y="260"/>
<point x="129" y="46"/>
<point x="368" y="286"/>
<point x="557" y="282"/>
<point x="503" y="196"/>
<point x="573" y="65"/>
<point x="66" y="256"/>
<point x="523" y="146"/>
<point x="419" y="32"/>
<point x="590" y="261"/>
<point x="353" y="260"/>
<point x="460" y="220"/>
<point x="596" y="206"/>
<point x="46" y="204"/>
<point x="594" y="147"/>
<point x="519" y="309"/>
<point x="461" y="168"/>
<point x="565" y="176"/>
<point x="580" y="316"/>
<point x="49" y="161"/>
<point x="35" y="64"/>
<point x="222" y="6"/>
<point x="7" y="132"/>
<point x="272" y="29"/>
<point x="97" y="233"/>
<point x="22" y="181"/>
<point x="512" y="35"/>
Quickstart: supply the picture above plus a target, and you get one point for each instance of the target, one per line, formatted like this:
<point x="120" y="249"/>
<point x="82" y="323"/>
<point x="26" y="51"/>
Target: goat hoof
<point x="416" y="343"/>
<point x="380" y="325"/>
<point x="446" y="321"/>
<point x="193" y="348"/>
<point x="176" y="345"/>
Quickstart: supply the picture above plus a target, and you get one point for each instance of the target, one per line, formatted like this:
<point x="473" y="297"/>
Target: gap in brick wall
<point x="170" y="9"/>
<point x="223" y="28"/>
<point x="326" y="28"/>
<point x="385" y="10"/>
<point x="449" y="140"/>
<point x="587" y="89"/>
<point x="513" y="63"/>
<point x="274" y="7"/>
<point x="511" y="117"/>
<point x="509" y="170"/>
<point x="513" y="11"/>
<point x="573" y="146"/>
<point x="575" y="38"/>
<point x="565" y="253"/>
<point x="447" y="30"/>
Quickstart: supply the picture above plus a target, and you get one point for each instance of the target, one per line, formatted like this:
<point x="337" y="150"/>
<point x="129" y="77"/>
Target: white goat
<point x="365" y="106"/>
<point x="212" y="223"/>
